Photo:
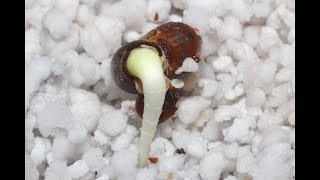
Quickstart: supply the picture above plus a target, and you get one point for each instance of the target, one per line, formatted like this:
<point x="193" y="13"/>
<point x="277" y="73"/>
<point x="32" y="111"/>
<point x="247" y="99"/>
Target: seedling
<point x="147" y="66"/>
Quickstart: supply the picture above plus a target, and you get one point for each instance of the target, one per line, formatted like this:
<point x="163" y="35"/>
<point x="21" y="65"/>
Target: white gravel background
<point x="238" y="124"/>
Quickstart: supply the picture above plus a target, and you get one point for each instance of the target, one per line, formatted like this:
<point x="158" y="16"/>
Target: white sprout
<point x="145" y="64"/>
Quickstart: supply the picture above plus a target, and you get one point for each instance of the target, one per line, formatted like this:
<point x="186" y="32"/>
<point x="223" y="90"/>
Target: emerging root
<point x="145" y="64"/>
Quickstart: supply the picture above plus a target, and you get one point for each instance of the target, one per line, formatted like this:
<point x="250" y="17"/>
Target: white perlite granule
<point x="238" y="123"/>
<point x="189" y="65"/>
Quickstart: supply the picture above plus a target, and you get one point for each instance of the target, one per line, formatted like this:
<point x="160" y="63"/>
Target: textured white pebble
<point x="85" y="107"/>
<point x="245" y="161"/>
<point x="211" y="166"/>
<point x="267" y="71"/>
<point x="284" y="75"/>
<point x="31" y="172"/>
<point x="55" y="114"/>
<point x="81" y="70"/>
<point x="131" y="130"/>
<point x="57" y="170"/>
<point x="78" y="169"/>
<point x="177" y="83"/>
<point x="286" y="16"/>
<point x="113" y="123"/>
<point x="279" y="95"/>
<point x="274" y="135"/>
<point x="61" y="148"/>
<point x="90" y="39"/>
<point x="231" y="29"/>
<point x="131" y="36"/>
<point x="171" y="163"/>
<point x="226" y="47"/>
<point x="229" y="95"/>
<point x="122" y="141"/>
<point x="287" y="57"/>
<point x="178" y="125"/>
<point x="77" y="134"/>
<point x="161" y="147"/>
<point x="175" y="18"/>
<point x="111" y="30"/>
<point x="94" y="159"/>
<point x="251" y="35"/>
<point x="222" y="64"/>
<point x="68" y="7"/>
<point x="128" y="107"/>
<point x="262" y="9"/>
<point x="210" y="45"/>
<point x="235" y="73"/>
<point x="197" y="145"/>
<point x="189" y="65"/>
<point x="180" y="138"/>
<point x="190" y="109"/>
<point x="124" y="163"/>
<point x="196" y="18"/>
<point x="204" y="117"/>
<point x="146" y="173"/>
<point x="209" y="87"/>
<point x="239" y="89"/>
<point x="101" y="138"/>
<point x="243" y="10"/>
<point x="83" y="17"/>
<point x="191" y="173"/>
<point x="54" y="47"/>
<point x="241" y="130"/>
<point x="34" y="14"/>
<point x="231" y="150"/>
<point x="268" y="38"/>
<point x="40" y="149"/>
<point x="255" y="143"/>
<point x="100" y="88"/>
<point x="277" y="158"/>
<point x="159" y="7"/>
<point x="211" y="130"/>
<point x="225" y="113"/>
<point x="215" y="23"/>
<point x="132" y="13"/>
<point x="269" y="119"/>
<point x="255" y="97"/>
<point x="274" y="20"/>
<point x="57" y="23"/>
<point x="243" y="52"/>
<point x="134" y="147"/>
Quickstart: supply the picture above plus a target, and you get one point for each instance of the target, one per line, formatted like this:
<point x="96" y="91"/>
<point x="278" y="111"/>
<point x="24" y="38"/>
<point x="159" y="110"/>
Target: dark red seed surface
<point x="176" y="41"/>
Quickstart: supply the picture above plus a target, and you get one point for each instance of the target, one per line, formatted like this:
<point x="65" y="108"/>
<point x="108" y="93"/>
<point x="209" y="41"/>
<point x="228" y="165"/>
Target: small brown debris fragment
<point x="153" y="160"/>
<point x="180" y="151"/>
<point x="156" y="17"/>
